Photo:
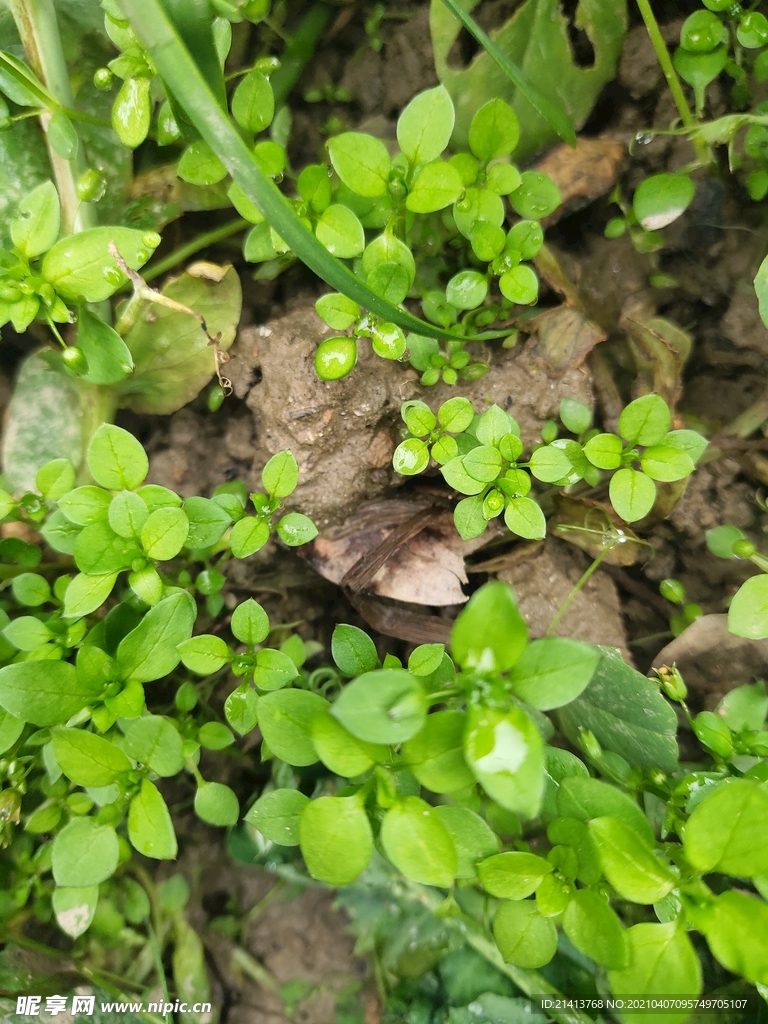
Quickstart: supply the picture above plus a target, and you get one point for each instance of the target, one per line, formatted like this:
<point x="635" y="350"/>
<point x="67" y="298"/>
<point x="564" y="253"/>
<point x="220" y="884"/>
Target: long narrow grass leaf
<point x="555" y="116"/>
<point x="187" y="84"/>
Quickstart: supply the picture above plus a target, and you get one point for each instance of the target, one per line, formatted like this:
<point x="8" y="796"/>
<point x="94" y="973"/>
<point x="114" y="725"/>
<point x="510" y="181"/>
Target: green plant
<point x="481" y="455"/>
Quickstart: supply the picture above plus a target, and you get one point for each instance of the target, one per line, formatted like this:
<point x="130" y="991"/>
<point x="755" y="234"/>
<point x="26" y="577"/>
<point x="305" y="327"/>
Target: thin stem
<point x="298" y="50"/>
<point x="39" y="32"/>
<point x="159" y="267"/>
<point x="567" y="602"/>
<point x="675" y="87"/>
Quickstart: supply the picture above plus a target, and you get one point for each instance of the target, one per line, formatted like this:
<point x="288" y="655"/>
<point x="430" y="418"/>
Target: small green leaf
<point x="629" y="864"/>
<point x="116" y="460"/>
<point x="524" y="937"/>
<point x="276" y="815"/>
<point x="248" y="536"/>
<point x="645" y="421"/>
<point x="583" y="798"/>
<point x="215" y="736"/>
<point x="728" y="830"/>
<point x="87" y="759"/>
<point x="513" y="875"/>
<point x="489" y="634"/>
<point x="383" y="706"/>
<point x="410" y="457"/>
<point x="536" y="197"/>
<point x="505" y="752"/>
<point x="604" y="451"/>
<point x="86" y="505"/>
<point x="241" y="708"/>
<point x="208" y="522"/>
<point x="340" y="751"/>
<point x="666" y="462"/>
<point x="595" y="929"/>
<point x="736" y="928"/>
<point x="467" y="289"/>
<point x="524" y="517"/>
<point x="109" y="358"/>
<point x="132" y="111"/>
<point x="660" y="960"/>
<point x="748" y="612"/>
<point x="424" y="127"/>
<point x="250" y="623"/>
<point x="494" y="131"/>
<point x="435" y="755"/>
<point x="417" y="842"/>
<point x="285" y="721"/>
<point x="253" y="103"/>
<point x="339" y="230"/>
<point x="199" y="165"/>
<point x="362" y="163"/>
<point x="155" y="742"/>
<point x="216" y="804"/>
<point x="437" y="185"/>
<point x="84" y="853"/>
<point x="31" y="590"/>
<point x="353" y="650"/>
<point x="204" y="654"/>
<point x="472" y="838"/>
<point x="74" y="908"/>
<point x="164" y="533"/>
<point x="660" y="199"/>
<point x="336" y="310"/>
<point x="36" y="225"/>
<point x="632" y="494"/>
<point x="336" y="839"/>
<point x="87" y="593"/>
<point x="45" y="692"/>
<point x="296" y="529"/>
<point x="127" y="514"/>
<point x="274" y="669"/>
<point x="553" y="672"/>
<point x="150" y="828"/>
<point x="82" y="269"/>
<point x="574" y="415"/>
<point x="149" y="652"/>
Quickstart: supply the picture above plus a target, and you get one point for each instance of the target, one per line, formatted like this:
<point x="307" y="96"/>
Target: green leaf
<point x="276" y="815"/>
<point x="417" y="842"/>
<point x="26" y="633"/>
<point x="629" y="863"/>
<point x="74" y="908"/>
<point x="109" y="358"/>
<point x="204" y="654"/>
<point x="362" y="162"/>
<point x="82" y="269"/>
<point x="116" y="460"/>
<point x="86" y="505"/>
<point x="335" y="838"/>
<point x="36" y="225"/>
<point x="199" y="165"/>
<point x="626" y="713"/>
<point x="87" y="759"/>
<point x="472" y="838"/>
<point x="494" y="130"/>
<point x="574" y="415"/>
<point x="132" y="111"/>
<point x="522" y="70"/>
<point x="467" y="289"/>
<point x="44" y="692"/>
<point x="748" y="611"/>
<point x="353" y="650"/>
<point x="728" y="830"/>
<point x="424" y="128"/>
<point x="736" y="927"/>
<point x="667" y="463"/>
<point x="482" y="463"/>
<point x="99" y="550"/>
<point x="280" y="475"/>
<point x="524" y="937"/>
<point x="172" y="355"/>
<point x="604" y="451"/>
<point x="337" y="310"/>
<point x="248" y="536"/>
<point x="344" y="754"/>
<point x="550" y="464"/>
<point x="208" y="522"/>
<point x="241" y="708"/>
<point x="253" y="103"/>
<point x="149" y="651"/>
<point x="155" y="742"/>
<point x="87" y="593"/>
<point x="274" y="669"/>
<point x="489" y="634"/>
<point x="524" y="518"/>
<point x="457" y="414"/>
<point x="594" y="928"/>
<point x="660" y="199"/>
<point x="127" y="514"/>
<point x="437" y="185"/>
<point x="744" y="707"/>
<point x="435" y="755"/>
<point x="410" y="457"/>
<point x="583" y="798"/>
<point x="645" y="421"/>
<point x="384" y="706"/>
<point x="30" y="589"/>
<point x="296" y="529"/>
<point x="150" y="828"/>
<point x="285" y="721"/>
<point x="84" y="853"/>
<point x="216" y="804"/>
<point x="688" y="441"/>
<point x="632" y="494"/>
<point x="250" y="623"/>
<point x="339" y="230"/>
<point x="164" y="533"/>
<point x="661" y="962"/>
<point x="553" y="672"/>
<point x="513" y="875"/>
<point x="505" y="752"/>
<point x="10" y="730"/>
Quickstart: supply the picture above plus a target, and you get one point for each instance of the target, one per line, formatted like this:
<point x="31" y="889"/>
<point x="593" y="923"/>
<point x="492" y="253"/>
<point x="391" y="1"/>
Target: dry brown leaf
<point x="583" y="173"/>
<point x="598" y="518"/>
<point x="660" y="349"/>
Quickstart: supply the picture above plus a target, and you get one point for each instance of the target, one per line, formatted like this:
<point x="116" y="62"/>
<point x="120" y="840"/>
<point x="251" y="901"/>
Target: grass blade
<point x="554" y="115"/>
<point x="188" y="86"/>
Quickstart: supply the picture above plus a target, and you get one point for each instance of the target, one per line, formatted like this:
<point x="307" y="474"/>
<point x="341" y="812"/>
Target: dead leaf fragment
<point x="582" y="174"/>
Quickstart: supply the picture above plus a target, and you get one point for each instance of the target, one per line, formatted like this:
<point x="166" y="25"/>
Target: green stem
<point x="184" y="79"/>
<point x="159" y="267"/>
<point x="39" y="32"/>
<point x="673" y="81"/>
<point x="298" y="51"/>
<point x="567" y="602"/>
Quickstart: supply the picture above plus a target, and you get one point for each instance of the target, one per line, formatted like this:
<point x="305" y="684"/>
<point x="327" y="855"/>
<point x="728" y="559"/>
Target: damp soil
<point x="343" y="435"/>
